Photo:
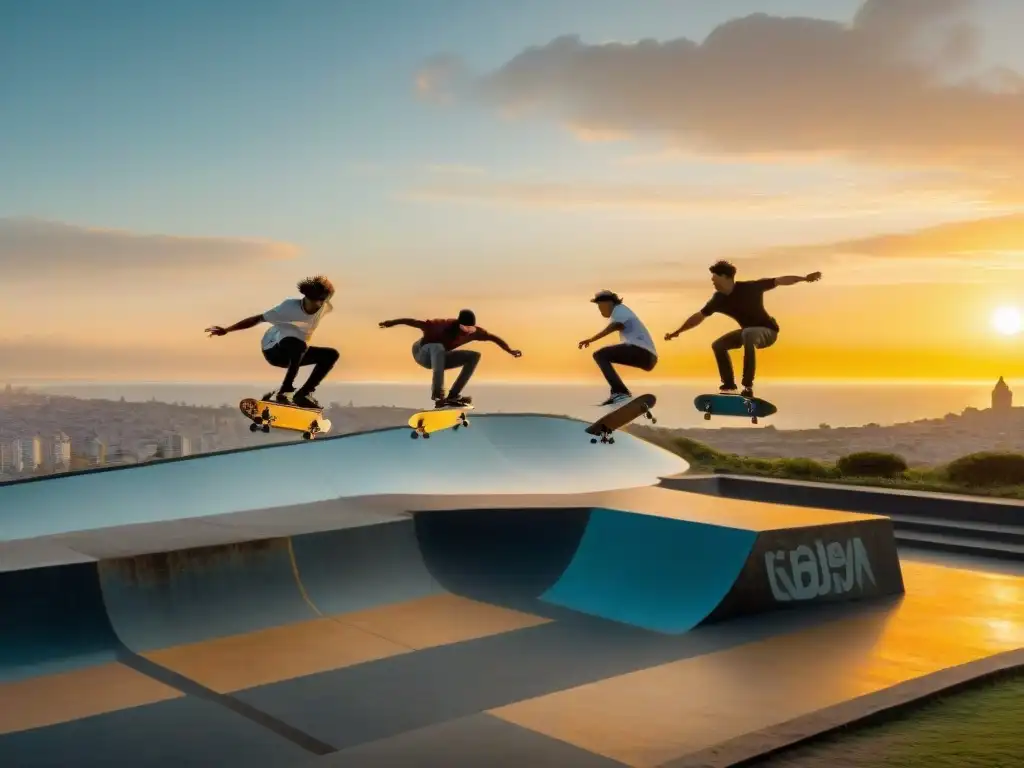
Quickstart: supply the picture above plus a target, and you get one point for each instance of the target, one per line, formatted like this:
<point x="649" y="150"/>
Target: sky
<point x="166" y="167"/>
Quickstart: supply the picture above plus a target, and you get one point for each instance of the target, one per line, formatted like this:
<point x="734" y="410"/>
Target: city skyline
<point x="176" y="167"/>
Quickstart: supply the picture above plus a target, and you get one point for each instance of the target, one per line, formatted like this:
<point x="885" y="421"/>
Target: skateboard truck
<point x="265" y="420"/>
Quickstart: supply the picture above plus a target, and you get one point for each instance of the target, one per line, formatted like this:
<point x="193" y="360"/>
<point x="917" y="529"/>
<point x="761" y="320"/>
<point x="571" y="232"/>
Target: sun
<point x="1007" y="321"/>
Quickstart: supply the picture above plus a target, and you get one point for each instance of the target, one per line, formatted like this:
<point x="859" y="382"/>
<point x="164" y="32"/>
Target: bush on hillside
<point x="807" y="468"/>
<point x="988" y="468"/>
<point x="871" y="464"/>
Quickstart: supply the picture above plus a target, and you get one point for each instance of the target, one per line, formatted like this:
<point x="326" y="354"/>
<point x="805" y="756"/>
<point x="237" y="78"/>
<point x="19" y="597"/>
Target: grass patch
<point x="978" y="728"/>
<point x="704" y="458"/>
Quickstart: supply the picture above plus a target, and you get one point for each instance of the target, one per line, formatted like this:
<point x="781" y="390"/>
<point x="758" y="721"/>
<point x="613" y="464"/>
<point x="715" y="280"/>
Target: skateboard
<point x="620" y="417"/>
<point x="266" y="413"/>
<point x="734" y="405"/>
<point x="437" y="419"/>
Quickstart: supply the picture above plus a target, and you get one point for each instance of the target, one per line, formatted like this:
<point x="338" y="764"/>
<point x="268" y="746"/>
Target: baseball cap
<point x="467" y="319"/>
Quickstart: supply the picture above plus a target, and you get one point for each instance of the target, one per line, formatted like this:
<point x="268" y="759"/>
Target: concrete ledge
<point x="853" y="498"/>
<point x="866" y="710"/>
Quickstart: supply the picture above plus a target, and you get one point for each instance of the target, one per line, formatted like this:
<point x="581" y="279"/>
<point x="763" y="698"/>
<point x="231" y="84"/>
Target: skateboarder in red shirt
<point x="438" y="350"/>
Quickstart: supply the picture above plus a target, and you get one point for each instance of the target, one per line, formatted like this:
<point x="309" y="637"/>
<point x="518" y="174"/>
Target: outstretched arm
<point x="419" y="324"/>
<point x="485" y="336"/>
<point x="794" y="279"/>
<point x="691" y="322"/>
<point x="241" y="325"/>
<point x="612" y="327"/>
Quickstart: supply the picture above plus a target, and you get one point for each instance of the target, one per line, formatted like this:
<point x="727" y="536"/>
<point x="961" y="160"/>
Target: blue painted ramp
<point x="657" y="573"/>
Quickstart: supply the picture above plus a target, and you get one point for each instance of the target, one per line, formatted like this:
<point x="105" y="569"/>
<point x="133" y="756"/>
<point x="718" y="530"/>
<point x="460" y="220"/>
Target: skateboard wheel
<point x="456" y="428"/>
<point x="611" y="440"/>
<point x="707" y="417"/>
<point x="593" y="439"/>
<point x="753" y="419"/>
<point x="426" y="435"/>
<point x="413" y="434"/>
<point x="266" y="429"/>
<point x="254" y="427"/>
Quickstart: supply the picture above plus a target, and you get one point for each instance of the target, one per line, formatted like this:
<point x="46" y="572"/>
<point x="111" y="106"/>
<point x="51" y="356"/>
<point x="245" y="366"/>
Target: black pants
<point x="622" y="354"/>
<point x="292" y="353"/>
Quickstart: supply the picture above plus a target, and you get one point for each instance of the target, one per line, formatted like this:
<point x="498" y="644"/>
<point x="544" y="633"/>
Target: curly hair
<point x="317" y="288"/>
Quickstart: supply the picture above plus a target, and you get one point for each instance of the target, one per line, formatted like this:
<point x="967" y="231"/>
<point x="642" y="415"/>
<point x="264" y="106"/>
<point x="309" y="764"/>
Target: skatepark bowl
<point x="505" y="595"/>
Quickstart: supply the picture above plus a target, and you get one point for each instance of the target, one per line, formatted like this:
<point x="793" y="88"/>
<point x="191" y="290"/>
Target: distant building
<point x="95" y="452"/>
<point x="10" y="457"/>
<point x="31" y="453"/>
<point x="58" y="451"/>
<point x="1002" y="397"/>
<point x="175" y="446"/>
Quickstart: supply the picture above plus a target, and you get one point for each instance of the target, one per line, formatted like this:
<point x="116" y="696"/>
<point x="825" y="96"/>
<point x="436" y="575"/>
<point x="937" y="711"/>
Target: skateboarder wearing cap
<point x="635" y="348"/>
<point x="438" y="350"/>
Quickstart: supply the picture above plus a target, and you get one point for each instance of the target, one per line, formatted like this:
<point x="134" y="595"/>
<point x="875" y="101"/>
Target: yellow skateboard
<point x="268" y="413"/>
<point x="437" y="419"/>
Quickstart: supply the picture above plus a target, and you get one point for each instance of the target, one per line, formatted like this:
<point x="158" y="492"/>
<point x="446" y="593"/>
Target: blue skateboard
<point x="734" y="405"/>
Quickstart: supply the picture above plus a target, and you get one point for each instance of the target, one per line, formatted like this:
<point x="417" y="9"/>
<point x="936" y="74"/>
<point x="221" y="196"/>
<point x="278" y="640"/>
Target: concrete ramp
<point x="498" y="455"/>
<point x="662" y="574"/>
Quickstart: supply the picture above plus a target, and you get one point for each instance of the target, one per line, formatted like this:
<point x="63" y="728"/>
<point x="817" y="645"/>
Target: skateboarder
<point x="438" y="350"/>
<point x="286" y="341"/>
<point x="635" y="347"/>
<point x="743" y="301"/>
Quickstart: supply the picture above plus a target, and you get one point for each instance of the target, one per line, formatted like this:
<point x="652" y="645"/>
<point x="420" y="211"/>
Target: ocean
<point x="801" y="405"/>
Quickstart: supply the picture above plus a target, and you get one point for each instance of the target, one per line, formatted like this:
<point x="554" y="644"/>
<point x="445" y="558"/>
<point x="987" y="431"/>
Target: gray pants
<point x="748" y="339"/>
<point x="436" y="358"/>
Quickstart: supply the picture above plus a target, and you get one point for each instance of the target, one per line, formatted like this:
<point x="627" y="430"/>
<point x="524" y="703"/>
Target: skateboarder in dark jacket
<point x="743" y="301"/>
<point x="438" y="350"/>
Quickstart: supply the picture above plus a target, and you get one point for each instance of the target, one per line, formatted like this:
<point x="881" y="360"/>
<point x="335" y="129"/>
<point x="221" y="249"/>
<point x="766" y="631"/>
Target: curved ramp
<point x="661" y="574"/>
<point x="497" y="455"/>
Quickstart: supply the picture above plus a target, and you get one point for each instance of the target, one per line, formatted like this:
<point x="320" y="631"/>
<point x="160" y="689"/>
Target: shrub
<point x="803" y="468"/>
<point x="987" y="468"/>
<point x="871" y="464"/>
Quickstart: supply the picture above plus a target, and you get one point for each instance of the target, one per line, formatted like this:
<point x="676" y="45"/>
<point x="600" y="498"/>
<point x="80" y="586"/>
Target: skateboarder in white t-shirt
<point x="635" y="347"/>
<point x="286" y="342"/>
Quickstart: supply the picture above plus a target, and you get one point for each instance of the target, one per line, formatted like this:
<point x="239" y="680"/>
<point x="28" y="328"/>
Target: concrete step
<point x="1003" y="534"/>
<point x="961" y="543"/>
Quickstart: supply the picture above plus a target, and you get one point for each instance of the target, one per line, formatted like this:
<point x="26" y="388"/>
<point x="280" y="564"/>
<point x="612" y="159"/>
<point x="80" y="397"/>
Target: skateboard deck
<point x="438" y="419"/>
<point x="734" y="405"/>
<point x="620" y="417"/>
<point x="265" y="414"/>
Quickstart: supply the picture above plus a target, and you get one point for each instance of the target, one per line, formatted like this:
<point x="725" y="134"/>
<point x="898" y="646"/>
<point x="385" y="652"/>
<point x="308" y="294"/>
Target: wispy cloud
<point x="828" y="200"/>
<point x="32" y="247"/>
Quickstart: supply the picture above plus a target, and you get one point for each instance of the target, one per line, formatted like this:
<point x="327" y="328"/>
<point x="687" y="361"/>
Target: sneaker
<point x="747" y="392"/>
<point x="458" y="400"/>
<point x="305" y="400"/>
<point x="277" y="396"/>
<point x="616" y="398"/>
<point x="727" y="389"/>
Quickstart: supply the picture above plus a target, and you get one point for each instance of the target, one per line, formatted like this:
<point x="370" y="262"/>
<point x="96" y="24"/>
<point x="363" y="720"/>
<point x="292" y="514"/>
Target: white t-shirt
<point x="633" y="331"/>
<point x="289" y="319"/>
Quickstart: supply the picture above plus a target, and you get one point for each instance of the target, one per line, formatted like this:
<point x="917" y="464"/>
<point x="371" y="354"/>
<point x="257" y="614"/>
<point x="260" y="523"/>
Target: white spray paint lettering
<point x="832" y="570"/>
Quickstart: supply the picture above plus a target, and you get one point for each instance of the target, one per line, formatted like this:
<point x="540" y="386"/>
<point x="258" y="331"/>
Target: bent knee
<point x="331" y="355"/>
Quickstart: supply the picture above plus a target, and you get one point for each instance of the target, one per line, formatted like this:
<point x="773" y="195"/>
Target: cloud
<point x="894" y="86"/>
<point x="36" y="247"/>
<point x="829" y="200"/>
<point x="1000" y="238"/>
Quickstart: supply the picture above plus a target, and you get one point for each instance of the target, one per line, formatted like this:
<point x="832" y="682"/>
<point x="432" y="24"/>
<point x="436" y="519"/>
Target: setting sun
<point x="1007" y="320"/>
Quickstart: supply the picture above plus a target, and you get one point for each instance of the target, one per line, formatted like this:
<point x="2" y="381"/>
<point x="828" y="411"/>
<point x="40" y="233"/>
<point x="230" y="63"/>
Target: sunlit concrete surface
<point x="496" y="455"/>
<point x="651" y="717"/>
